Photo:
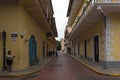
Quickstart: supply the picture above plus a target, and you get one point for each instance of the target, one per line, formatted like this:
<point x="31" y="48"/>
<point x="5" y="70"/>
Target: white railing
<point x="88" y="8"/>
<point x="91" y="3"/>
<point x="107" y="1"/>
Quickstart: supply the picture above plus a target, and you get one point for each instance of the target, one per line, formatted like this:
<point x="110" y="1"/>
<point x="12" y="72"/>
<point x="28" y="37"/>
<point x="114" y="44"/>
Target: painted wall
<point x="88" y="34"/>
<point x="109" y="52"/>
<point x="28" y="25"/>
<point x="14" y="18"/>
<point x="92" y="31"/>
<point x="114" y="19"/>
<point x="9" y="23"/>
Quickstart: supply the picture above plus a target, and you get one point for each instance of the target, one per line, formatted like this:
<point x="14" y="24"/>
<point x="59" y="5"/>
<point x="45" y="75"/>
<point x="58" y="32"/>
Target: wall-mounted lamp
<point x="22" y="34"/>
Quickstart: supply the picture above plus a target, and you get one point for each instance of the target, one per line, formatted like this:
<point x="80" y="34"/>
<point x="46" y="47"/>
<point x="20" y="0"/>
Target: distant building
<point x="62" y="45"/>
<point x="95" y="31"/>
<point x="67" y="43"/>
<point x="30" y="31"/>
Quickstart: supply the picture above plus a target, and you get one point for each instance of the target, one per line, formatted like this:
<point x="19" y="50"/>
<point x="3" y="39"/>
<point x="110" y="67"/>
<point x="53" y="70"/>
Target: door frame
<point x="85" y="48"/>
<point x="43" y="49"/>
<point x="78" y="48"/>
<point x="94" y="57"/>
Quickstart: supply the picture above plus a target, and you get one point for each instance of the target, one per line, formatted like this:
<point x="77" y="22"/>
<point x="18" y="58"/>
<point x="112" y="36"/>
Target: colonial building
<point x="67" y="43"/>
<point x="95" y="31"/>
<point x="62" y="45"/>
<point x="30" y="31"/>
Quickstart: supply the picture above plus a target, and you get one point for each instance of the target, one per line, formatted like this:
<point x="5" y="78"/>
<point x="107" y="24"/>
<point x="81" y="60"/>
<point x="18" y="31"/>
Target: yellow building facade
<point x="62" y="44"/>
<point x="30" y="31"/>
<point x="95" y="31"/>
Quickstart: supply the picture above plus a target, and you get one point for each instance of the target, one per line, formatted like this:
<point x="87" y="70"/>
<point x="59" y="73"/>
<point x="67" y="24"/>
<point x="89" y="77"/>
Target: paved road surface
<point x="65" y="68"/>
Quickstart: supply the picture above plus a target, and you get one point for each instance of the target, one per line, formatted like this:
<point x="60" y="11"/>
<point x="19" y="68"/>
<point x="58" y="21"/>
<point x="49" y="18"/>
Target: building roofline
<point x="51" y="6"/>
<point x="69" y="7"/>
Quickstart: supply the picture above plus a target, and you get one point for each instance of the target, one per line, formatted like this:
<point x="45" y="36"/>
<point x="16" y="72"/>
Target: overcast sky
<point x="60" y="8"/>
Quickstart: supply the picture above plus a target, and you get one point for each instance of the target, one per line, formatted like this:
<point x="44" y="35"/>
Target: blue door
<point x="32" y="51"/>
<point x="35" y="50"/>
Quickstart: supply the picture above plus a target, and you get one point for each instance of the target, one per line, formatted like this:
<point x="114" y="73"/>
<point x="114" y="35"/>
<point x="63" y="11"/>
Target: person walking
<point x="9" y="59"/>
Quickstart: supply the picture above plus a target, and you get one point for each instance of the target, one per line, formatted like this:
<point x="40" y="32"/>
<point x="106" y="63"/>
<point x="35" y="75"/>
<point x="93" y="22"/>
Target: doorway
<point x="69" y="50"/>
<point x="96" y="48"/>
<point x="85" y="48"/>
<point x="78" y="49"/>
<point x="43" y="49"/>
<point x="32" y="50"/>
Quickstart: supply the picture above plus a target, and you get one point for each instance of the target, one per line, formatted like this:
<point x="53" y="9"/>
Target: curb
<point x="21" y="74"/>
<point x="95" y="70"/>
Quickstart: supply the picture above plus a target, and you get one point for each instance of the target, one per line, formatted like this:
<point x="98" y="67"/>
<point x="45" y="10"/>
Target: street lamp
<point x="4" y="50"/>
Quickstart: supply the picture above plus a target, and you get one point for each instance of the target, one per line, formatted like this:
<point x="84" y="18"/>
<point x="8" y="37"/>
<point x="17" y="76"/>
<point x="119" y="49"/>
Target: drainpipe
<point x="4" y="50"/>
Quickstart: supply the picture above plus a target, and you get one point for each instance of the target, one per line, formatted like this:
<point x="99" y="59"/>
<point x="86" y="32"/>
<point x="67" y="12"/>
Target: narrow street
<point x="64" y="67"/>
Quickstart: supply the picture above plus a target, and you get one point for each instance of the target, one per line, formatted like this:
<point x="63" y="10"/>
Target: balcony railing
<point x="46" y="14"/>
<point x="88" y="8"/>
<point x="107" y="1"/>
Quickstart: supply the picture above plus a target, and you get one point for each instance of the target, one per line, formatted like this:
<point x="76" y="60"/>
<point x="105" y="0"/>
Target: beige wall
<point x="31" y="27"/>
<point x="14" y="18"/>
<point x="114" y="19"/>
<point x="99" y="29"/>
<point x="88" y="34"/>
<point x="9" y="24"/>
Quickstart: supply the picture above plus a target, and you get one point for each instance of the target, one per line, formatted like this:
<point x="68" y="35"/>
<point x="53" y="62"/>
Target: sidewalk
<point x="33" y="69"/>
<point x="96" y="68"/>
